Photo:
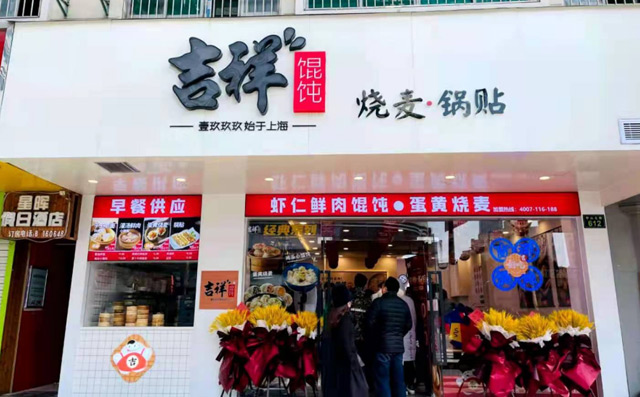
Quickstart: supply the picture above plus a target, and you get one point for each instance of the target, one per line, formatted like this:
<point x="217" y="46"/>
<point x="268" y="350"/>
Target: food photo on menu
<point x="184" y="234"/>
<point x="129" y="235"/>
<point x="156" y="234"/>
<point x="103" y="234"/>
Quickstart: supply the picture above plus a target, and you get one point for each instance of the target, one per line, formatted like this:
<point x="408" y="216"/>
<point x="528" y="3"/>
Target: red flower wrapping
<point x="550" y="376"/>
<point x="264" y="350"/>
<point x="586" y="369"/>
<point x="233" y="357"/>
<point x="502" y="378"/>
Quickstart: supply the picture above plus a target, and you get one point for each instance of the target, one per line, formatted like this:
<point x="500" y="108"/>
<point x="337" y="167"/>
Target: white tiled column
<point x="222" y="242"/>
<point x="604" y="301"/>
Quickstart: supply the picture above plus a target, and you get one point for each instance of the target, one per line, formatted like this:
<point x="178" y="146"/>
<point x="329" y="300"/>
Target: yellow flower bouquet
<point x="272" y="317"/>
<point x="498" y="321"/>
<point x="307" y="323"/>
<point x="535" y="328"/>
<point x="571" y="322"/>
<point x="234" y="318"/>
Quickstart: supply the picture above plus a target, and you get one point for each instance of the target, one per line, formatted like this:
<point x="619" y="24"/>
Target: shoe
<point x="410" y="391"/>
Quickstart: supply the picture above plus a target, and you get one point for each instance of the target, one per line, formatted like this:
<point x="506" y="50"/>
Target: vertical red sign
<point x="309" y="82"/>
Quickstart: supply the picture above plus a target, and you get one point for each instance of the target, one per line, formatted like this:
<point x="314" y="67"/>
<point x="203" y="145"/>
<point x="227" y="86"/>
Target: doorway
<point x="36" y="317"/>
<point x="444" y="266"/>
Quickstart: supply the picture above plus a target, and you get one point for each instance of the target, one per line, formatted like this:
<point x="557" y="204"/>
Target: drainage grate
<point x="119" y="167"/>
<point x="629" y="131"/>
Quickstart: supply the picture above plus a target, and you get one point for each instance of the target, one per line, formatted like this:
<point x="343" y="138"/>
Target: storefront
<point x="194" y="200"/>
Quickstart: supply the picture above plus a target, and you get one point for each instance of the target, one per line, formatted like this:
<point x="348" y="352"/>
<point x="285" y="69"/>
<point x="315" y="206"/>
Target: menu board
<point x="282" y="259"/>
<point x="145" y="228"/>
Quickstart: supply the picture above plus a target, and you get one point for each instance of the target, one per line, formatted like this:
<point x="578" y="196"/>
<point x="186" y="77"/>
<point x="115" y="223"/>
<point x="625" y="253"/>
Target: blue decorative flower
<point x="528" y="249"/>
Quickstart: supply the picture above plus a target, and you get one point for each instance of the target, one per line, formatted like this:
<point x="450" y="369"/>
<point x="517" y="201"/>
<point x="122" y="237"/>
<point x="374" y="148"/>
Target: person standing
<point x="388" y="321"/>
<point x="410" y="345"/>
<point x="361" y="303"/>
<point x="349" y="377"/>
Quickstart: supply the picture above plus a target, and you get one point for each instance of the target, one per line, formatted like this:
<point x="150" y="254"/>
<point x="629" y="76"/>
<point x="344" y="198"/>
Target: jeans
<point x="410" y="374"/>
<point x="389" y="375"/>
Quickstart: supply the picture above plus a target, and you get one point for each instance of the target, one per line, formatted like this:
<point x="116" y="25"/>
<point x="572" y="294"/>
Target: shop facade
<point x="425" y="108"/>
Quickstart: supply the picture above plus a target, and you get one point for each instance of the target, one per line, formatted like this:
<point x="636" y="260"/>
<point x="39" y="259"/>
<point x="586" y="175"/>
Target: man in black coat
<point x="388" y="321"/>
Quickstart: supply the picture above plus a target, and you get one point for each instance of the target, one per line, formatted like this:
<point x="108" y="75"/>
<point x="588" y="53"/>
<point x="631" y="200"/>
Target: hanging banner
<point x="433" y="205"/>
<point x="145" y="228"/>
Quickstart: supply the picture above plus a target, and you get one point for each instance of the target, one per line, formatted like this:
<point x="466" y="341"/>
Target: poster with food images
<point x="145" y="228"/>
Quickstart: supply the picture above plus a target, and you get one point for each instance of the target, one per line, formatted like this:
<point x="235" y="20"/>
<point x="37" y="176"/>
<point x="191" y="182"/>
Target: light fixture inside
<point x="545" y="178"/>
<point x="181" y="179"/>
<point x="400" y="230"/>
<point x="346" y="239"/>
<point x="92" y="181"/>
<point x="358" y="178"/>
<point x="303" y="223"/>
<point x="346" y="248"/>
<point x="341" y="256"/>
<point x="268" y="179"/>
<point x="390" y="245"/>
<point x="450" y="177"/>
<point x="505" y="232"/>
<point x="317" y="253"/>
<point x="315" y="248"/>
<point x="407" y="256"/>
<point x="345" y="230"/>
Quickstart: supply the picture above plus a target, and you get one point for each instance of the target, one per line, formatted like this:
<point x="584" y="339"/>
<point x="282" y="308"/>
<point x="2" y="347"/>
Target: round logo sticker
<point x="516" y="265"/>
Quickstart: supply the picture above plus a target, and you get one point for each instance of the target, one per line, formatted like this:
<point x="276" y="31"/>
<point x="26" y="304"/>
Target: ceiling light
<point x="545" y="178"/>
<point x="317" y="253"/>
<point x="388" y="256"/>
<point x="303" y="223"/>
<point x="268" y="179"/>
<point x="181" y="179"/>
<point x="450" y="177"/>
<point x="346" y="248"/>
<point x="346" y="239"/>
<point x="358" y="178"/>
<point x="92" y="181"/>
<point x="400" y="230"/>
<point x="407" y="256"/>
<point x="341" y="256"/>
<point x="345" y="230"/>
<point x="312" y="241"/>
<point x="315" y="248"/>
<point x="505" y="232"/>
<point x="390" y="245"/>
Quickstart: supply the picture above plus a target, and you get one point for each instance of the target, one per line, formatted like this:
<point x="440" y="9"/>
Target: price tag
<point x="594" y="222"/>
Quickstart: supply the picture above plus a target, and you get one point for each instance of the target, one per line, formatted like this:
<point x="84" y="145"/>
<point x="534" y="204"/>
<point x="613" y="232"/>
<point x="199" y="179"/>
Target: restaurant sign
<point x="38" y="215"/>
<point x="433" y="204"/>
<point x="145" y="228"/>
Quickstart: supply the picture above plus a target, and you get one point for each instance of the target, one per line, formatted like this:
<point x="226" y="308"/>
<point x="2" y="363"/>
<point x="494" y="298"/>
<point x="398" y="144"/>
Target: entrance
<point x="36" y="317"/>
<point x="447" y="268"/>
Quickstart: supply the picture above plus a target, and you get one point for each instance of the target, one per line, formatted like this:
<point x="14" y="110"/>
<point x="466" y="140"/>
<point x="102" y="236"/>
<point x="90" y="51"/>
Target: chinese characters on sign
<point x="444" y="204"/>
<point x="141" y="228"/>
<point x="285" y="230"/>
<point x="247" y="126"/>
<point x="36" y="215"/>
<point x="198" y="91"/>
<point x="309" y="82"/>
<point x="451" y="103"/>
<point x="218" y="290"/>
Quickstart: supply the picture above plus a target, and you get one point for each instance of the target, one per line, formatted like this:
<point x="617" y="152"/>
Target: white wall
<point x="602" y="291"/>
<point x="185" y="356"/>
<point x="109" y="89"/>
<point x="625" y="247"/>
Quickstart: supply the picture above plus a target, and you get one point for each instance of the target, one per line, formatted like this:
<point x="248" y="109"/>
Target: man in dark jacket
<point x="388" y="321"/>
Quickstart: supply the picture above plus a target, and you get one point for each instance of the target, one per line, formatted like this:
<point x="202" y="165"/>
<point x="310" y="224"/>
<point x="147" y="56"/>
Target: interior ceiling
<point x="613" y="173"/>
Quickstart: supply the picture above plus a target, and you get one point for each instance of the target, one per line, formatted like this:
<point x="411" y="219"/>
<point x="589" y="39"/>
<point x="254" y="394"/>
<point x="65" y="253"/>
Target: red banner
<point x="145" y="228"/>
<point x="147" y="206"/>
<point x="436" y="204"/>
<point x="309" y="82"/>
<point x="127" y="256"/>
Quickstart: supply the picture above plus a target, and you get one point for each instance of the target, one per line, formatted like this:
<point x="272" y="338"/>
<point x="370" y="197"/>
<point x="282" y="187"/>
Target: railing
<point x="355" y="4"/>
<point x="599" y="2"/>
<point x="19" y="8"/>
<point x="201" y="8"/>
